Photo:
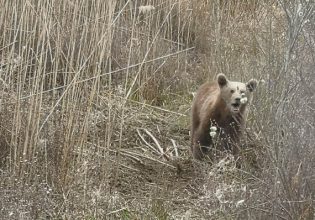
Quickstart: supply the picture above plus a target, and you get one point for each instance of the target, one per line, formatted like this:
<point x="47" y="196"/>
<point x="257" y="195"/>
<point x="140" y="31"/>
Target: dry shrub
<point x="95" y="125"/>
<point x="6" y="115"/>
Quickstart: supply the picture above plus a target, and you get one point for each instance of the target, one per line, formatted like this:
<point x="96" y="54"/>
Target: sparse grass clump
<point x="95" y="103"/>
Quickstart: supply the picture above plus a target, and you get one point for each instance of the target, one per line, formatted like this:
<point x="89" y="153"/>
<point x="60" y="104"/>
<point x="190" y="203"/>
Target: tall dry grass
<point x="95" y="101"/>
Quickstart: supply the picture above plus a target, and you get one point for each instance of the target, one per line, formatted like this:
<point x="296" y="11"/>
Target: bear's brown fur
<point x="219" y="104"/>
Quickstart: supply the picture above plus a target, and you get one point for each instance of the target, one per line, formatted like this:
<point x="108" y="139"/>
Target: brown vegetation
<point x="95" y="100"/>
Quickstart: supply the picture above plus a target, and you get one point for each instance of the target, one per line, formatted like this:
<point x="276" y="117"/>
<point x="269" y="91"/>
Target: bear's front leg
<point x="201" y="144"/>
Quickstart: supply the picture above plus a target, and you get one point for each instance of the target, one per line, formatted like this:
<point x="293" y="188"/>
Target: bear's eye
<point x="232" y="90"/>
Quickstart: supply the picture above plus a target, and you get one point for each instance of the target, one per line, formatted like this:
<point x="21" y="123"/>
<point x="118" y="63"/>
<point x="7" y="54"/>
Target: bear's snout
<point x="238" y="100"/>
<point x="236" y="105"/>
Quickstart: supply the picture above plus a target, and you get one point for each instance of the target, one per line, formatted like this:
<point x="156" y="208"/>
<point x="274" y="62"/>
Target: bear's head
<point x="235" y="94"/>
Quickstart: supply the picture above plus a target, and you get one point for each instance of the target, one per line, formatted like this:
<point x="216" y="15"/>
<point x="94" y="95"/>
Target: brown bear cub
<point x="221" y="106"/>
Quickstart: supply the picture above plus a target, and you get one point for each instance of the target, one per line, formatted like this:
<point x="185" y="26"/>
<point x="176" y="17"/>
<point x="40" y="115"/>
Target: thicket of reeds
<point x="95" y="103"/>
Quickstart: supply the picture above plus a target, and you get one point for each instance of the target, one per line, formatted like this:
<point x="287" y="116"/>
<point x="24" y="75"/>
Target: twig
<point x="155" y="141"/>
<point x="175" y="147"/>
<point x="148" y="105"/>
<point x="147" y="144"/>
<point x="116" y="211"/>
<point x="125" y="166"/>
<point x="108" y="73"/>
<point x="153" y="159"/>
<point x="147" y="35"/>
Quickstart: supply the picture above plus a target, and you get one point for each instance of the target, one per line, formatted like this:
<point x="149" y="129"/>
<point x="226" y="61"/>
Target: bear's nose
<point x="238" y="100"/>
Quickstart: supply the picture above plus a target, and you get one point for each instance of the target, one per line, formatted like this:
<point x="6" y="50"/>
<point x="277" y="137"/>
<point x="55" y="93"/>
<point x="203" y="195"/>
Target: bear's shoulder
<point x="206" y="91"/>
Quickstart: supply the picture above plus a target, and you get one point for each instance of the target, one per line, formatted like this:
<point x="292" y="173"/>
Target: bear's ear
<point x="251" y="85"/>
<point x="222" y="80"/>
